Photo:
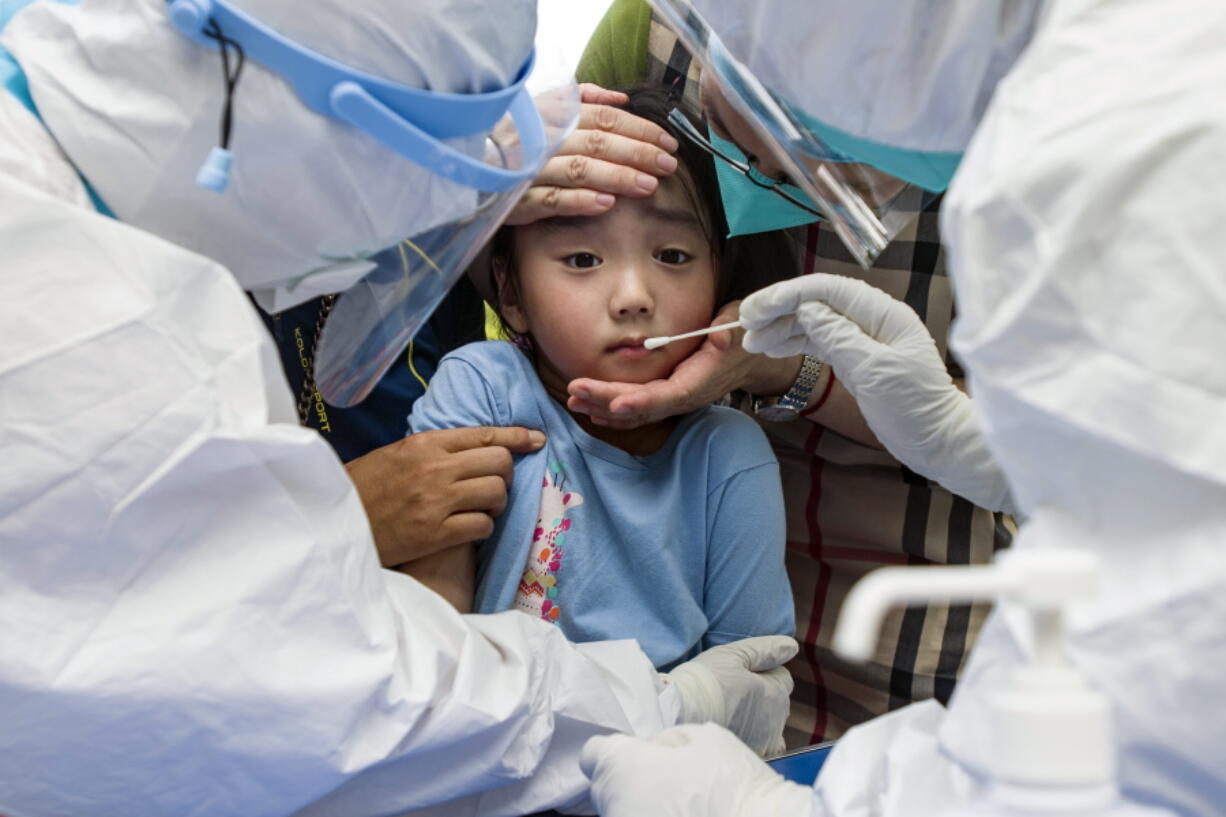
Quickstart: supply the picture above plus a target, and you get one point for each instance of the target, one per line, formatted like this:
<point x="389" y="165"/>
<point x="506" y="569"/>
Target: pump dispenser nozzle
<point x="1050" y="728"/>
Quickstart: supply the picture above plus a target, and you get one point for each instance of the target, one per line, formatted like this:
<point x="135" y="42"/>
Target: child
<point x="671" y="533"/>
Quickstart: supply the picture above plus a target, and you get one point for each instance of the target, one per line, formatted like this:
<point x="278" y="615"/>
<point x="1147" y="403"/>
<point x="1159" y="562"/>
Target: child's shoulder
<point x="732" y="439"/>
<point x="488" y="359"/>
<point x="485" y="383"/>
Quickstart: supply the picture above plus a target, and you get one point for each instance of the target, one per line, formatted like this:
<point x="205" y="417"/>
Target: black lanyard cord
<point x="224" y="44"/>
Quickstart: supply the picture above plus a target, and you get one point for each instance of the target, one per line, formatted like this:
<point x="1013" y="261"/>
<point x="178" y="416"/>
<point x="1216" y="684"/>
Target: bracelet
<point x="821" y="401"/>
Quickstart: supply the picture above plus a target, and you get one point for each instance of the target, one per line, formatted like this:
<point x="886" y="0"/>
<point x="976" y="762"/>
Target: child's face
<point x="591" y="289"/>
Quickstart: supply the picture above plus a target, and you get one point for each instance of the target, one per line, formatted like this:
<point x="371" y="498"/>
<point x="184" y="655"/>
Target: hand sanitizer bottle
<point x="1052" y="751"/>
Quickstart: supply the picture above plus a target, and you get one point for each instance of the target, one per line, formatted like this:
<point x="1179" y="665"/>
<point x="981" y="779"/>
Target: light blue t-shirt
<point x="681" y="550"/>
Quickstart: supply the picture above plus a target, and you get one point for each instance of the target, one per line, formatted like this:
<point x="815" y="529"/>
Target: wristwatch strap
<point x="794" y="401"/>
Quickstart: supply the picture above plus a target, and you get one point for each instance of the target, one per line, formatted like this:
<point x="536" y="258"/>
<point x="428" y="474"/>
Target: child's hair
<point x="744" y="264"/>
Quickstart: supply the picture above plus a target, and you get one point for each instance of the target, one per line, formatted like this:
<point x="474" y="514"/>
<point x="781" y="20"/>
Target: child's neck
<point x="640" y="441"/>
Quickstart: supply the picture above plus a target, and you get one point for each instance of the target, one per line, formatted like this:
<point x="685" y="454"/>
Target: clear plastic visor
<point x="373" y="321"/>
<point x="865" y="206"/>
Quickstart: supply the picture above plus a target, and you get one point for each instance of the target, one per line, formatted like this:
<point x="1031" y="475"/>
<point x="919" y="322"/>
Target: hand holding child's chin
<point x="717" y="367"/>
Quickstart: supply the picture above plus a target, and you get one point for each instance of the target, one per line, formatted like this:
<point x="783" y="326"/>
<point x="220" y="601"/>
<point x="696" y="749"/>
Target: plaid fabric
<point x="852" y="508"/>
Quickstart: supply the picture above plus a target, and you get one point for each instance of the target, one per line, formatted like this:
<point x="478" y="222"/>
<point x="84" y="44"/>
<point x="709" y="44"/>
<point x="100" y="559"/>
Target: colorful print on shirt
<point x="538" y="587"/>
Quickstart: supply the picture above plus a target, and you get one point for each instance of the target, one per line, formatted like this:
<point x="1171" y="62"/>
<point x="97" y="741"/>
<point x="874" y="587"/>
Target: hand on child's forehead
<point x="670" y="205"/>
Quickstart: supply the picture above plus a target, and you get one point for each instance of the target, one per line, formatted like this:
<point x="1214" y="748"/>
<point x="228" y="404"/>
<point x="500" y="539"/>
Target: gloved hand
<point x="889" y="362"/>
<point x="695" y="769"/>
<point x="742" y="686"/>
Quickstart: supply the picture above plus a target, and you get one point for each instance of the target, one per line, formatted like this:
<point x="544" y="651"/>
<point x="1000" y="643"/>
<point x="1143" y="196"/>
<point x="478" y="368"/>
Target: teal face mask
<point x="749" y="208"/>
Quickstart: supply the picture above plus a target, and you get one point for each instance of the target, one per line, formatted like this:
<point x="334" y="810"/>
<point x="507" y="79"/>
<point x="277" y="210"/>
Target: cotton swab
<point x="656" y="343"/>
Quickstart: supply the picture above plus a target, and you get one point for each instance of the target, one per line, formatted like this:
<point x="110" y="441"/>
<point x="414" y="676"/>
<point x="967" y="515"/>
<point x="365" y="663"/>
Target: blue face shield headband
<point x="409" y="121"/>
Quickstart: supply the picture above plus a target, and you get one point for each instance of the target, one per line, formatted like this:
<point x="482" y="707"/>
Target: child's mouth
<point x="631" y="348"/>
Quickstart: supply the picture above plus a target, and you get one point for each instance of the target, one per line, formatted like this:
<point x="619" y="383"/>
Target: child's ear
<point x="508" y="296"/>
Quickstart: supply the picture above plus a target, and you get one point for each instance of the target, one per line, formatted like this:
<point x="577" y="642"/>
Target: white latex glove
<point x="742" y="686"/>
<point x="695" y="769"/>
<point x="886" y="358"/>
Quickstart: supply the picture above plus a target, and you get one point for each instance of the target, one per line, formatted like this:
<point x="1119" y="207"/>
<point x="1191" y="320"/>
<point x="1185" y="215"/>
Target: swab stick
<point x="656" y="343"/>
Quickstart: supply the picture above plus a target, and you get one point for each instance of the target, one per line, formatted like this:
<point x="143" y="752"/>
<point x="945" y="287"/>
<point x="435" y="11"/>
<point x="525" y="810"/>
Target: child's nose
<point x="634" y="309"/>
<point x="632" y="297"/>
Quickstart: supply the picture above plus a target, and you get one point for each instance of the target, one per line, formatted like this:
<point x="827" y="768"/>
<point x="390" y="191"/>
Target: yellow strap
<point x="413" y="369"/>
<point x="404" y="265"/>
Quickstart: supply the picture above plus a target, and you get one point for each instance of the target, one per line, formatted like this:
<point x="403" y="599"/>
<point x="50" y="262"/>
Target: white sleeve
<point x="193" y="619"/>
<point x="891" y="766"/>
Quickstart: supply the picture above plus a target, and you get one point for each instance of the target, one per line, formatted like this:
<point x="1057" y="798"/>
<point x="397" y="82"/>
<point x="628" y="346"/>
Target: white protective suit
<point x="1087" y="241"/>
<point x="193" y="618"/>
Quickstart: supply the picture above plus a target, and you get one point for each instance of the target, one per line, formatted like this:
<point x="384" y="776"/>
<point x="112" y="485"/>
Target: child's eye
<point x="673" y="257"/>
<point x="581" y="260"/>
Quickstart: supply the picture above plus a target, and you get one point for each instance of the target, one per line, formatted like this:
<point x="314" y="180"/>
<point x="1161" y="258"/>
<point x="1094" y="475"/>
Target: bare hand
<point x="717" y="367"/>
<point x="437" y="489"/>
<point x="611" y="153"/>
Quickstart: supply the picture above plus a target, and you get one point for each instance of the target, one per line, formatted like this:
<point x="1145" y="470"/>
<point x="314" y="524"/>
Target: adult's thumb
<point x="765" y="652"/>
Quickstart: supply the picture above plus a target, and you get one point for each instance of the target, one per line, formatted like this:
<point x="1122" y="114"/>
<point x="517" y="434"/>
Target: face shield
<point x="864" y="205"/>
<point x="353" y="126"/>
<point x="373" y="320"/>
<point x="479" y="152"/>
